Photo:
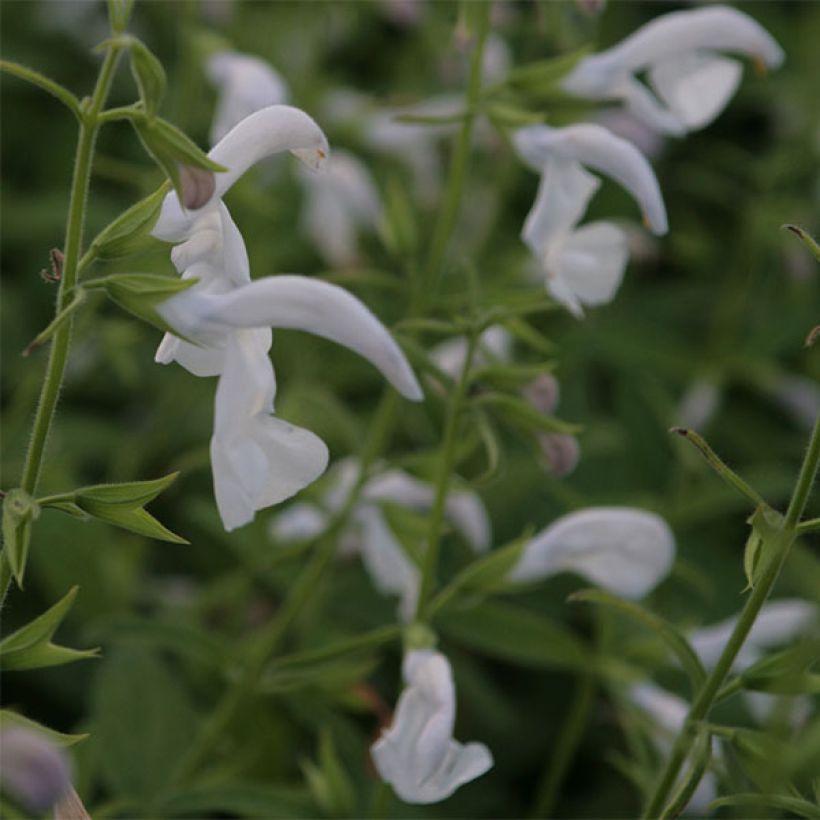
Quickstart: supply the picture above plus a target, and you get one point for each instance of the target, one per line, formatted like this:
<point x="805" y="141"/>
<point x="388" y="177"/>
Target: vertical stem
<point x="760" y="592"/>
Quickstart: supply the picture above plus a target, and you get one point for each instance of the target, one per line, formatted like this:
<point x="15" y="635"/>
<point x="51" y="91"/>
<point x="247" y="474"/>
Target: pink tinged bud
<point x="35" y="771"/>
<point x="197" y="186"/>
<point x="543" y="393"/>
<point x="71" y="807"/>
<point x="560" y="453"/>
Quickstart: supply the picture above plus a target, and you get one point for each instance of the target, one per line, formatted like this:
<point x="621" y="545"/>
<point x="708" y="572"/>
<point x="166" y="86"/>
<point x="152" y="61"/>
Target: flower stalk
<point x="754" y="603"/>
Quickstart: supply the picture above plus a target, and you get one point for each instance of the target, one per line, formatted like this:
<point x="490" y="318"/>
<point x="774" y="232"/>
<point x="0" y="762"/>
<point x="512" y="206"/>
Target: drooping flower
<point x="245" y="84"/>
<point x="341" y="201"/>
<point x="584" y="266"/>
<point x="626" y="551"/>
<point x="369" y="534"/>
<point x="226" y="322"/>
<point x="417" y="755"/>
<point x="690" y="82"/>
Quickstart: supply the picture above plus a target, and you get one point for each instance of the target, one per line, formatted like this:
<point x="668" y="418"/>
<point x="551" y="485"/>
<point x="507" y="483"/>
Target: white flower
<point x="392" y="571"/>
<point x="226" y="320"/>
<point x="699" y="404"/>
<point x="667" y="713"/>
<point x="245" y="85"/>
<point x="584" y="266"/>
<point x="340" y="201"/>
<point x="34" y="770"/>
<point x="417" y="755"/>
<point x="624" y="550"/>
<point x="690" y="83"/>
<point x="494" y="344"/>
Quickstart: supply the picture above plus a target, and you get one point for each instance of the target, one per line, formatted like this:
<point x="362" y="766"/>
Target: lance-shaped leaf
<point x="795" y="805"/>
<point x="121" y="505"/>
<point x="125" y="234"/>
<point x="520" y="414"/>
<point x="30" y="647"/>
<point x="19" y="510"/>
<point x="10" y="719"/>
<point x="141" y="293"/>
<point x="149" y="75"/>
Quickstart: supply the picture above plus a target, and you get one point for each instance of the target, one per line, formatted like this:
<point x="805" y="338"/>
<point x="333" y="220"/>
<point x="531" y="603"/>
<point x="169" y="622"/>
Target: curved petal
<point x="590" y="264"/>
<point x="696" y="87"/>
<point x="624" y="550"/>
<point x="563" y="195"/>
<point x="299" y="303"/>
<point x="645" y="106"/>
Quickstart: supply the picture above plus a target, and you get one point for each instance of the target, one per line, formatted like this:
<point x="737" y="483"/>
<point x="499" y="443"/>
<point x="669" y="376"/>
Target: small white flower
<point x="392" y="571"/>
<point x="690" y="83"/>
<point x="494" y="344"/>
<point x="584" y="266"/>
<point x="417" y="755"/>
<point x="34" y="770"/>
<point x="245" y="85"/>
<point x="341" y="201"/>
<point x="626" y="551"/>
<point x="699" y="404"/>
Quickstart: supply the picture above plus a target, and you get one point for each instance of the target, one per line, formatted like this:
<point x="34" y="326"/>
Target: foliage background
<point x="726" y="296"/>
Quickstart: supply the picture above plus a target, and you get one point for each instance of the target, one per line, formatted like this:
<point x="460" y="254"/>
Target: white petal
<point x="696" y="87"/>
<point x="646" y="107"/>
<point x="299" y="522"/>
<point x="468" y="515"/>
<point x="626" y="551"/>
<point x="562" y="199"/>
<point x="302" y="304"/>
<point x="699" y="403"/>
<point x="590" y="263"/>
<point x="245" y="84"/>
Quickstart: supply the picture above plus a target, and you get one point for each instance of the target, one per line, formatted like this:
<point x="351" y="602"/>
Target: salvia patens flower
<point x="584" y="266"/>
<point x="624" y="550"/>
<point x="369" y="533"/>
<point x="681" y="52"/>
<point x="33" y="769"/>
<point x="417" y="755"/>
<point x="341" y="202"/>
<point x="666" y="714"/>
<point x="245" y="84"/>
<point x="226" y="322"/>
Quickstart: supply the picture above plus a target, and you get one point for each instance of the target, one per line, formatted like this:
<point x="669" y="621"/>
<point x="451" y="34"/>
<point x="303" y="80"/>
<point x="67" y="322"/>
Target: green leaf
<point x="141" y="293"/>
<point x="30" y="646"/>
<point x="398" y="229"/>
<point x="806" y="238"/>
<point x="328" y="782"/>
<point x="242" y="799"/>
<point x="762" y="543"/>
<point x="19" y="510"/>
<point x="796" y="805"/>
<point x="785" y="672"/>
<point x="149" y="75"/>
<point x="506" y="115"/>
<point x="138" y="521"/>
<point x="544" y="75"/>
<point x="9" y="719"/>
<point x="128" y="494"/>
<point x="125" y="234"/>
<point x="513" y="634"/>
<point x="518" y="413"/>
<point x="668" y="633"/>
<point x="170" y="148"/>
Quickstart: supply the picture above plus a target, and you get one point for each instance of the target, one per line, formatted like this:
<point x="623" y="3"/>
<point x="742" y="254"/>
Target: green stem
<point x="812" y="525"/>
<point x="458" y="165"/>
<point x="703" y="703"/>
<point x="41" y="81"/>
<point x="449" y="447"/>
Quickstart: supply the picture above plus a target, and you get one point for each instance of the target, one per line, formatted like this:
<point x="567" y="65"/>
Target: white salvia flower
<point x="370" y="535"/>
<point x="494" y="344"/>
<point x="626" y="551"/>
<point x="245" y="85"/>
<point x="584" y="266"/>
<point x="341" y="201"/>
<point x="33" y="769"/>
<point x="699" y="404"/>
<point x="667" y="713"/>
<point x="257" y="460"/>
<point x="417" y="755"/>
<point x="690" y="83"/>
<point x="799" y="397"/>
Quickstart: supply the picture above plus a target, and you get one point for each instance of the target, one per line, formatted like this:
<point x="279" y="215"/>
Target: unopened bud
<point x="560" y="453"/>
<point x="543" y="393"/>
<point x="35" y="771"/>
<point x="71" y="807"/>
<point x="197" y="186"/>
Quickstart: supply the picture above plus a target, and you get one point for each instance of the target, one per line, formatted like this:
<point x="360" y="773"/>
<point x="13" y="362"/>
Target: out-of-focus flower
<point x="369" y="533"/>
<point x="591" y="7"/>
<point x="667" y="714"/>
<point x="341" y="201"/>
<point x="34" y="770"/>
<point x="245" y="84"/>
<point x="560" y="453"/>
<point x="543" y="393"/>
<point x="797" y="396"/>
<point x="225" y="319"/>
<point x="417" y="755"/>
<point x="624" y="550"/>
<point x="680" y="52"/>
<point x="699" y="403"/>
<point x="584" y="266"/>
<point x="494" y="344"/>
<point x="71" y="807"/>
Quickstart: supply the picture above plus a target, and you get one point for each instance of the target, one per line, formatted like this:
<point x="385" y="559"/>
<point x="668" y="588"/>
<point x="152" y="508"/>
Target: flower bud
<point x="197" y="186"/>
<point x="543" y="393"/>
<point x="560" y="453"/>
<point x="34" y="771"/>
